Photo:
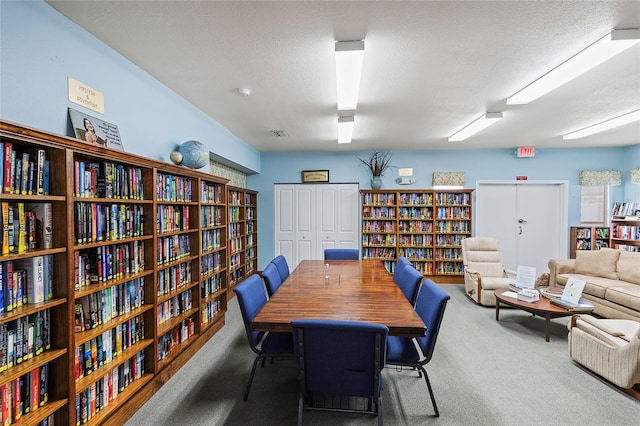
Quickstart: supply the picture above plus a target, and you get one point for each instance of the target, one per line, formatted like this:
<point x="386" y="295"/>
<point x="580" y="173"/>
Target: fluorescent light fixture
<point x="349" y="56"/>
<point x="481" y="123"/>
<point x="605" y="125"/>
<point x="605" y="48"/>
<point x="345" y="129"/>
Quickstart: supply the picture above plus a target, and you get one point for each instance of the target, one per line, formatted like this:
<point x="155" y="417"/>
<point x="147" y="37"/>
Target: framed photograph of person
<point x="95" y="131"/>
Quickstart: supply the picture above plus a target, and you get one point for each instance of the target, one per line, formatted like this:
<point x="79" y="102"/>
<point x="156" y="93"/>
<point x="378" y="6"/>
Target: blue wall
<point x="491" y="164"/>
<point x="40" y="49"/>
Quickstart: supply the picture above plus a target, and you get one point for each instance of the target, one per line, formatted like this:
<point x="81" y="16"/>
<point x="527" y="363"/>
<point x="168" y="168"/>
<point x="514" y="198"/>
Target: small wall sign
<point x="315" y="176"/>
<point x="521" y="178"/>
<point x="88" y="97"/>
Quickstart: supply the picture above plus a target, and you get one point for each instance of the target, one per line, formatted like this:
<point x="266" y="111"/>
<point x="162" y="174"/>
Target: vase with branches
<point x="377" y="163"/>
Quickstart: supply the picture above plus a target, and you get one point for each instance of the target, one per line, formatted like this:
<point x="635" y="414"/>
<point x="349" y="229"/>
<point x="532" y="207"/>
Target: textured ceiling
<point x="430" y="67"/>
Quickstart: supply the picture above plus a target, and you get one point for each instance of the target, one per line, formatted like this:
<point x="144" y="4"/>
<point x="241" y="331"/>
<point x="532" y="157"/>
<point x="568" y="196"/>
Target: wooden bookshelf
<point x="588" y="238"/>
<point x="425" y="226"/>
<point x="140" y="282"/>
<point x="243" y="234"/>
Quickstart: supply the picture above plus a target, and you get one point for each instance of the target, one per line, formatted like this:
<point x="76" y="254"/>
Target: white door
<point x="310" y="218"/>
<point x="338" y="227"/>
<point x="529" y="219"/>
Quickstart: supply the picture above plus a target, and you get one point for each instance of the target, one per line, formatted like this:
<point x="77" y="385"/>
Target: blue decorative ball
<point x="193" y="155"/>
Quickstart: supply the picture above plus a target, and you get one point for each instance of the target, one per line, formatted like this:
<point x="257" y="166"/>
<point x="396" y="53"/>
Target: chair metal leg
<point x="253" y="371"/>
<point x="380" y="420"/>
<point x="433" y="399"/>
<point x="300" y="408"/>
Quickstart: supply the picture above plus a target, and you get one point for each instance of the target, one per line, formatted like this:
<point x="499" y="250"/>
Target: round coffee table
<point x="542" y="308"/>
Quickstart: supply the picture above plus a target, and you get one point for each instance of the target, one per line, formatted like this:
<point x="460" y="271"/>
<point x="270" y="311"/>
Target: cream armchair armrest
<point x="560" y="266"/>
<point x="510" y="272"/>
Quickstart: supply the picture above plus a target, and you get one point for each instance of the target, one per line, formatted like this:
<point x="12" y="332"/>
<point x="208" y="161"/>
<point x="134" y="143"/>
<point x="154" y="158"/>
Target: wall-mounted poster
<point x="95" y="131"/>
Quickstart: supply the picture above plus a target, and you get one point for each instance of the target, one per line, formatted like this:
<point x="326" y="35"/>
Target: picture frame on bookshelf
<point x="95" y="131"/>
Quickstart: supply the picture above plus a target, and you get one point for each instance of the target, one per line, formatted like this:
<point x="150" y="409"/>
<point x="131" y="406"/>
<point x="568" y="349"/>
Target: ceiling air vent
<point x="279" y="133"/>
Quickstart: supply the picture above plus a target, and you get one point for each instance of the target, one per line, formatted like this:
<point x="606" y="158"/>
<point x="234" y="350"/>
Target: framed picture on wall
<point x="315" y="176"/>
<point x="95" y="131"/>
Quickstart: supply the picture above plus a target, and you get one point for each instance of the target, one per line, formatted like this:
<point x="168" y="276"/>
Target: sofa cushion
<point x="598" y="263"/>
<point x="629" y="267"/>
<point x="595" y="286"/>
<point x="627" y="295"/>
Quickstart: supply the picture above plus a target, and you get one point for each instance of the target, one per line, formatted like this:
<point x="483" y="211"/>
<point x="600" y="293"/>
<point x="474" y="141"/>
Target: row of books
<point x="453" y="212"/>
<point x="378" y="253"/>
<point x="449" y="268"/>
<point x="235" y="214"/>
<point x="93" y="354"/>
<point x="236" y="244"/>
<point x="452" y="198"/>
<point x="107" y="222"/>
<point x="378" y="226"/>
<point x="378" y="239"/>
<point x="106" y="263"/>
<point x="415" y="213"/>
<point x="415" y="226"/>
<point x="211" y="262"/>
<point x="211" y="309"/>
<point x="211" y="216"/>
<point x="169" y="341"/>
<point x="452" y="226"/>
<point x="106" y="305"/>
<point x="235" y="198"/>
<point x="25" y="281"/>
<point x="425" y="199"/>
<point x="625" y="232"/>
<point x="175" y="306"/>
<point x="449" y="240"/>
<point x="235" y="230"/>
<point x="174" y="277"/>
<point x="210" y="285"/>
<point x="171" y="218"/>
<point x="211" y="240"/>
<point x="96" y="397"/>
<point x="26" y="227"/>
<point x="379" y="212"/>
<point x="415" y="240"/>
<point x="417" y="253"/>
<point x="626" y="209"/>
<point x="173" y="188"/>
<point x="24" y="338"/>
<point x="24" y="172"/>
<point x="173" y="248"/>
<point x="211" y="193"/>
<point x="24" y="395"/>
<point x="107" y="180"/>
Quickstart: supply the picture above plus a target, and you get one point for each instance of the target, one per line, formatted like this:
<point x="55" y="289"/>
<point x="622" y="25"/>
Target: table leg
<point x="497" y="310"/>
<point x="547" y="327"/>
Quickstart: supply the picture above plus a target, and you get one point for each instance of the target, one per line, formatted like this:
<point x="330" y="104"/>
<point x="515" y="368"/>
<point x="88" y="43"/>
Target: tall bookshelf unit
<point x="425" y="226"/>
<point x="138" y="265"/>
<point x="625" y="226"/>
<point x="588" y="238"/>
<point x="243" y="234"/>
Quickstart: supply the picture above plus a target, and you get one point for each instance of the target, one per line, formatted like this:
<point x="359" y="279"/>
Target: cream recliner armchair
<point x="608" y="347"/>
<point x="484" y="271"/>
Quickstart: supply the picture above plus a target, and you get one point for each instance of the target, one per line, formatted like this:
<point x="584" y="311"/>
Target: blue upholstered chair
<point x="271" y="278"/>
<point x="339" y="361"/>
<point x="401" y="351"/>
<point x="401" y="263"/>
<point x="283" y="267"/>
<point x="341" y="254"/>
<point x="251" y="298"/>
<point x="409" y="279"/>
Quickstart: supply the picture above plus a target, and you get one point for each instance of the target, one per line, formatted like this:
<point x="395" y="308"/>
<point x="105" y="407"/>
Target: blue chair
<point x="401" y="351"/>
<point x="283" y="267"/>
<point x="251" y="298"/>
<point x="271" y="278"/>
<point x="401" y="263"/>
<point x="409" y="279"/>
<point x="341" y="254"/>
<point x="339" y="361"/>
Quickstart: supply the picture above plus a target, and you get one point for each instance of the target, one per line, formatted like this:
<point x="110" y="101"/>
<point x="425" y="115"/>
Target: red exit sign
<point x="526" y="152"/>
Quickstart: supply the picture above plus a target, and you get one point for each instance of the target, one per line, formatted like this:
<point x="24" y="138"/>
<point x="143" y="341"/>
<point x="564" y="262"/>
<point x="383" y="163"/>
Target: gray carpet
<point x="483" y="373"/>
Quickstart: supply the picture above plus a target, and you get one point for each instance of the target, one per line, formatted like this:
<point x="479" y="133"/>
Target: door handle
<point x="522" y="221"/>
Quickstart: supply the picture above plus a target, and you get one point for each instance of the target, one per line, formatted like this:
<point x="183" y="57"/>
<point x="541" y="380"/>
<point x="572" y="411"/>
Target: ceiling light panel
<point x="480" y="124"/>
<point x="600" y="51"/>
<point x="349" y="58"/>
<point x="345" y="129"/>
<point x="605" y="125"/>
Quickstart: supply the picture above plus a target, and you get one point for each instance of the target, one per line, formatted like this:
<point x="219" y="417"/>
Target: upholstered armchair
<point x="608" y="347"/>
<point x="484" y="271"/>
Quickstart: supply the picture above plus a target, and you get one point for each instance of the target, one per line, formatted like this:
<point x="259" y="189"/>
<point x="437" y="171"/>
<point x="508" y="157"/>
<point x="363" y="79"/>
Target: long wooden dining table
<point x="355" y="291"/>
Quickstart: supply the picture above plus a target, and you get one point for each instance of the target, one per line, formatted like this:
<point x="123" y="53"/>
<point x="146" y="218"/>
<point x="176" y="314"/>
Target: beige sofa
<point x="612" y="276"/>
